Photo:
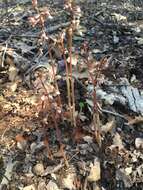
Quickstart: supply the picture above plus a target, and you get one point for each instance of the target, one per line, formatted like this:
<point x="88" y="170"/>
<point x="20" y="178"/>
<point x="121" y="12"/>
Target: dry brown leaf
<point x="136" y="120"/>
<point x="68" y="181"/>
<point x="13" y="72"/>
<point x="66" y="115"/>
<point x="21" y="142"/>
<point x="79" y="134"/>
<point x="108" y="126"/>
<point x="29" y="187"/>
<point x="38" y="169"/>
<point x="19" y="138"/>
<point x="13" y="86"/>
<point x="52" y="186"/>
<point x="95" y="172"/>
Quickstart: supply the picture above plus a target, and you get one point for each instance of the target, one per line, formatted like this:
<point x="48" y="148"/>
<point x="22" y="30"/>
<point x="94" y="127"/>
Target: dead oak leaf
<point x="136" y="120"/>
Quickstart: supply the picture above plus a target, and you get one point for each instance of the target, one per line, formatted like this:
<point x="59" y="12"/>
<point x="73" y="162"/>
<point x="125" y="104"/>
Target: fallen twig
<point x="110" y="112"/>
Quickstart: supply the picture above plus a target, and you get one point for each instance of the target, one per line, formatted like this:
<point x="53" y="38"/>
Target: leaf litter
<point x="113" y="30"/>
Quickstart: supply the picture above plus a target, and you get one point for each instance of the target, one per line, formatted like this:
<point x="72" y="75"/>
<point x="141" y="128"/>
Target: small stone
<point x="128" y="170"/>
<point x="139" y="142"/>
<point x="38" y="169"/>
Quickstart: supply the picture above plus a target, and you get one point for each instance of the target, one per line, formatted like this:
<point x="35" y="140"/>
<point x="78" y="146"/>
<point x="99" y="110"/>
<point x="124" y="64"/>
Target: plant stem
<point x="59" y="138"/>
<point x="70" y="33"/>
<point x="55" y="83"/>
<point x="96" y="119"/>
<point x="67" y="79"/>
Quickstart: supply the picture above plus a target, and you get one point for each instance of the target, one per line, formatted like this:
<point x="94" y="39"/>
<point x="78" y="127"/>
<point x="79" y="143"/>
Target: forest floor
<point x="37" y="153"/>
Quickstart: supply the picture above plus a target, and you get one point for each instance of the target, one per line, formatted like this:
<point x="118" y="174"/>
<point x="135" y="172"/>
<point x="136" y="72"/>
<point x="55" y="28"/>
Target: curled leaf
<point x="95" y="172"/>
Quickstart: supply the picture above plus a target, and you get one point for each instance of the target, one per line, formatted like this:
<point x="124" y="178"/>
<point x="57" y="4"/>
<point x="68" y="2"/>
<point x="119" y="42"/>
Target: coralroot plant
<point x="95" y="71"/>
<point x="75" y="14"/>
<point x="39" y="19"/>
<point x="51" y="98"/>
